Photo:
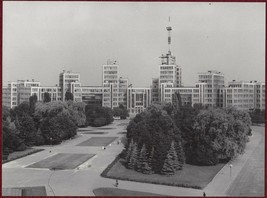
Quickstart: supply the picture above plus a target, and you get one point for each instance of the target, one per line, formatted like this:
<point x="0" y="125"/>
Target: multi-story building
<point x="214" y="82"/>
<point x="259" y="95"/>
<point x="93" y="95"/>
<point x="244" y="95"/>
<point x="53" y="91"/>
<point x="17" y="92"/>
<point x="239" y="94"/>
<point x="155" y="90"/>
<point x="122" y="94"/>
<point x="169" y="71"/>
<point x="9" y="95"/>
<point x="138" y="99"/>
<point x="65" y="80"/>
<point x="209" y="90"/>
<point x="76" y="91"/>
<point x="117" y="85"/>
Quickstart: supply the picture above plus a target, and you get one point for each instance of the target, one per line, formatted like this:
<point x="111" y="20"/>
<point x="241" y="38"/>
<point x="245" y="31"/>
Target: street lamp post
<point x="50" y="143"/>
<point x="230" y="169"/>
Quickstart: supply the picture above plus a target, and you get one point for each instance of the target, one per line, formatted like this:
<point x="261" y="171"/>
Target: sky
<point x="41" y="39"/>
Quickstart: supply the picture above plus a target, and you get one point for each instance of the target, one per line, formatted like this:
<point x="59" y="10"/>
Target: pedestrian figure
<point x="117" y="183"/>
<point x="204" y="194"/>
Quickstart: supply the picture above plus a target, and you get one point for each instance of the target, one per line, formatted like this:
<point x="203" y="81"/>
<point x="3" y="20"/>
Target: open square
<point x="98" y="141"/>
<point x="62" y="161"/>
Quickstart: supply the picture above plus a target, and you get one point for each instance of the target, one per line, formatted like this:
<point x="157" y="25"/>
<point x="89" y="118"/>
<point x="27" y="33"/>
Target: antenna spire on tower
<point x="169" y="29"/>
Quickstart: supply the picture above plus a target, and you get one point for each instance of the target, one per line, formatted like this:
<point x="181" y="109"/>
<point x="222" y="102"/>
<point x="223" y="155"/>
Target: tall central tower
<point x="170" y="74"/>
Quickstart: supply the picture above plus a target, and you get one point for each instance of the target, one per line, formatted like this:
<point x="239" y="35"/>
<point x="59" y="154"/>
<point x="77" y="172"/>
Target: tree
<point x="133" y="157"/>
<point x="180" y="155"/>
<point x="77" y="112"/>
<point x="26" y="127"/>
<point x="257" y="116"/>
<point x="10" y="138"/>
<point x="47" y="97"/>
<point x="142" y="158"/>
<point x="32" y="100"/>
<point x="143" y="164"/>
<point x="121" y="112"/>
<point x="55" y="120"/>
<point x="156" y="129"/>
<point x="171" y="163"/>
<point x="129" y="151"/>
<point x="219" y="134"/>
<point x="19" y="110"/>
<point x="98" y="116"/>
<point x="68" y="96"/>
<point x="177" y="101"/>
<point x="58" y="128"/>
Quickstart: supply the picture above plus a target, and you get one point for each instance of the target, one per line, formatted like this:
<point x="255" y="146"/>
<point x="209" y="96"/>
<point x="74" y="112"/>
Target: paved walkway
<point x="83" y="180"/>
<point x="224" y="178"/>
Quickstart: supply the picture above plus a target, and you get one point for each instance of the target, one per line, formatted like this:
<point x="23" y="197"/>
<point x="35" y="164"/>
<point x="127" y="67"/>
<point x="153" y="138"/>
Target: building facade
<point x="214" y="82"/>
<point x="210" y="90"/>
<point x="244" y="95"/>
<point x="138" y="99"/>
<point x="65" y="80"/>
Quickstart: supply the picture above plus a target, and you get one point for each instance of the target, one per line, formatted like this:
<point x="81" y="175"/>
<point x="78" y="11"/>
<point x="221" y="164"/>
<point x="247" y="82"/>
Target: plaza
<point x="82" y="178"/>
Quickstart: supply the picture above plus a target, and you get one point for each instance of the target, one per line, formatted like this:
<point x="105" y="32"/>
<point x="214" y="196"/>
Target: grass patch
<point x="34" y="191"/>
<point x="98" y="141"/>
<point x="121" y="192"/>
<point x="79" y="130"/>
<point x="122" y="124"/>
<point x="105" y="128"/>
<point x="62" y="161"/>
<point x="24" y="191"/>
<point x="100" y="133"/>
<point x="123" y="132"/>
<point x="190" y="177"/>
<point x="19" y="154"/>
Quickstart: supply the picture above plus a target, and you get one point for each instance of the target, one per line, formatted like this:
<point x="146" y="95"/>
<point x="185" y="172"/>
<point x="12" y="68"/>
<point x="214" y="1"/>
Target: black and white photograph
<point x="133" y="98"/>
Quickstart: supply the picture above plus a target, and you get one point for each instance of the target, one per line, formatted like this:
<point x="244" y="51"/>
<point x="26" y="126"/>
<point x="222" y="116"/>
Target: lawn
<point x="120" y="192"/>
<point x="19" y="154"/>
<point x="98" y="141"/>
<point x="81" y="129"/>
<point x="124" y="132"/>
<point x="105" y="128"/>
<point x="24" y="191"/>
<point x="123" y="124"/>
<point x="62" y="161"/>
<point x="191" y="176"/>
<point x="100" y="133"/>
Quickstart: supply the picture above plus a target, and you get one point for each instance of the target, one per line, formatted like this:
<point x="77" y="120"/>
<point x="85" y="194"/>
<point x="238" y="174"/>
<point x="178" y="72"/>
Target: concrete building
<point x="214" y="82"/>
<point x="65" y="80"/>
<point x="53" y="91"/>
<point x="169" y="71"/>
<point x="155" y="91"/>
<point x="93" y="95"/>
<point x="244" y="95"/>
<point x="17" y="92"/>
<point x="117" y="85"/>
<point x="76" y="90"/>
<point x="259" y="95"/>
<point x="138" y="99"/>
<point x="122" y="94"/>
<point x="9" y="95"/>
